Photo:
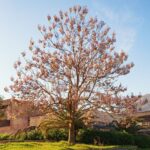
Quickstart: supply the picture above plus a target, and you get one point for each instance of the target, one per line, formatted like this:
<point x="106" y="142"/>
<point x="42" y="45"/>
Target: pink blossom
<point x="49" y="17"/>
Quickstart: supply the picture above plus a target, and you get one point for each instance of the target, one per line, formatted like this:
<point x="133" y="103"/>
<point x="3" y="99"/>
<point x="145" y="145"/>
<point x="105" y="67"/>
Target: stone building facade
<point x="22" y="114"/>
<point x="19" y="115"/>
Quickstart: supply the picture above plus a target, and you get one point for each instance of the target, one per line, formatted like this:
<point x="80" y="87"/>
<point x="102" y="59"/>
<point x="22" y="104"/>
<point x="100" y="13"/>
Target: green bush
<point x="91" y="136"/>
<point x="4" y="136"/>
<point x="56" y="134"/>
<point x="52" y="134"/>
<point x="30" y="135"/>
<point x="142" y="141"/>
<point x="34" y="135"/>
<point x="88" y="136"/>
<point x="117" y="138"/>
<point x="20" y="136"/>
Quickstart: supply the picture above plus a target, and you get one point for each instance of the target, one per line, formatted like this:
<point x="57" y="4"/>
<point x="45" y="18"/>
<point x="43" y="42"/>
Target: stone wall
<point x="19" y="123"/>
<point x="6" y="130"/>
<point x="15" y="125"/>
<point x="35" y="121"/>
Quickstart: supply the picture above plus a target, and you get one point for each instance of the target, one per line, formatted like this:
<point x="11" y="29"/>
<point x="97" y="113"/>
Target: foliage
<point x="4" y="136"/>
<point x="19" y="136"/>
<point x="30" y="135"/>
<point x="100" y="137"/>
<point x="35" y="135"/>
<point x="57" y="135"/>
<point x="88" y="136"/>
<point x="91" y="136"/>
<point x="73" y="68"/>
<point x="54" y="123"/>
<point x="142" y="141"/>
<point x="128" y="124"/>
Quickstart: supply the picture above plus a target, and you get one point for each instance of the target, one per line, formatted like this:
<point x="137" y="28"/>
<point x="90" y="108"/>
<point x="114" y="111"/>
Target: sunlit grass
<point x="56" y="146"/>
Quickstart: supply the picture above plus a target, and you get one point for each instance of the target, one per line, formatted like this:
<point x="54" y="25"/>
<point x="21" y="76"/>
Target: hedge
<point x="87" y="136"/>
<point x="91" y="136"/>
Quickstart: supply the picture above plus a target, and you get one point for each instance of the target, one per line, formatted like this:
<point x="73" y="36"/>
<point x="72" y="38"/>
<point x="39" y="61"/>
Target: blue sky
<point x="130" y="19"/>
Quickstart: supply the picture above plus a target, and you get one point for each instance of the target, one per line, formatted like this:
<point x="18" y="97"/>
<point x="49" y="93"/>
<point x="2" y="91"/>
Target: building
<point x="19" y="115"/>
<point x="143" y="111"/>
<point x="144" y="118"/>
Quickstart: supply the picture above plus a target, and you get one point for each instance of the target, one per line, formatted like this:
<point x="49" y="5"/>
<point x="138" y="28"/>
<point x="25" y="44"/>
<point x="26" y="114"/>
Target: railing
<point x="145" y="124"/>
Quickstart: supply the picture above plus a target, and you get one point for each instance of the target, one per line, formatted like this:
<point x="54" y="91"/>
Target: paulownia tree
<point x="72" y="68"/>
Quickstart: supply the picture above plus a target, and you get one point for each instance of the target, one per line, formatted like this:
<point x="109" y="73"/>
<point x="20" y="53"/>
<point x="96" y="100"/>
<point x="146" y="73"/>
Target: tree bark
<point x="71" y="134"/>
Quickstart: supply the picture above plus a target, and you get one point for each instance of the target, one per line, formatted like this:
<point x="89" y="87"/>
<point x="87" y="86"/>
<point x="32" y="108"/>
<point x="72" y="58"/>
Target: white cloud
<point x="122" y="23"/>
<point x="126" y="39"/>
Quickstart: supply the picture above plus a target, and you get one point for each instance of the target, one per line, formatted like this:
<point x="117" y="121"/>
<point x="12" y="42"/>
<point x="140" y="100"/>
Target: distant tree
<point x="73" y="68"/>
<point x="128" y="124"/>
<point x="2" y="108"/>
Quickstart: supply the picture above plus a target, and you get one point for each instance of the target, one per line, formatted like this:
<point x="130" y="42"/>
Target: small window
<point x="4" y="123"/>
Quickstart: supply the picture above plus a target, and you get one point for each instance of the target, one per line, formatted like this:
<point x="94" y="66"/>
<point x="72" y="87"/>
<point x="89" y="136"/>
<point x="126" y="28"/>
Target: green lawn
<point x="57" y="146"/>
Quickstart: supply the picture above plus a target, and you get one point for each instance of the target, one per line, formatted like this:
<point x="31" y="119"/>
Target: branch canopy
<point x="73" y="67"/>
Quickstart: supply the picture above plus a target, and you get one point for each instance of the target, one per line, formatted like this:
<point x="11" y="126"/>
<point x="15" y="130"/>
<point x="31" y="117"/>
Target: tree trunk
<point x="71" y="136"/>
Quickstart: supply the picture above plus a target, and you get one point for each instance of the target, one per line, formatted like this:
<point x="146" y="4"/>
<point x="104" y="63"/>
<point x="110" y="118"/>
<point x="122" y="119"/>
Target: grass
<point x="58" y="146"/>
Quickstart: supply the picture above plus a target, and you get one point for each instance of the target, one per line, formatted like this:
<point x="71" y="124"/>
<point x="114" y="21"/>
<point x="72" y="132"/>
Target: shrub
<point x="4" y="136"/>
<point x="30" y="135"/>
<point x="142" y="141"/>
<point x="117" y="138"/>
<point x="21" y="136"/>
<point x="56" y="134"/>
<point x="88" y="136"/>
<point x="91" y="136"/>
<point x="35" y="135"/>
